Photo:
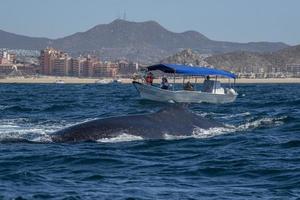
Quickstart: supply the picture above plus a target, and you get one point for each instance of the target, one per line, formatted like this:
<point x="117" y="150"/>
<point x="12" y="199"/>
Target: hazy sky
<point x="227" y="20"/>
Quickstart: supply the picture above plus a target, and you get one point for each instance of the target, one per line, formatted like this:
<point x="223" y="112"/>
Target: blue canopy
<point x="191" y="71"/>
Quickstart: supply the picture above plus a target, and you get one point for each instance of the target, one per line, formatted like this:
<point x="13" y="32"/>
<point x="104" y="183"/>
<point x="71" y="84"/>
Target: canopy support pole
<point x="215" y="84"/>
<point x="234" y="83"/>
<point x="173" y="81"/>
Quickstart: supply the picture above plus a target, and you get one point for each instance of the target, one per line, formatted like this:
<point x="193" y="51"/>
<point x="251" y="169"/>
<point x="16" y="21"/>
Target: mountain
<point x="238" y="61"/>
<point x="187" y="57"/>
<point x="290" y="55"/>
<point x="124" y="34"/>
<point x="143" y="41"/>
<point x="14" y="41"/>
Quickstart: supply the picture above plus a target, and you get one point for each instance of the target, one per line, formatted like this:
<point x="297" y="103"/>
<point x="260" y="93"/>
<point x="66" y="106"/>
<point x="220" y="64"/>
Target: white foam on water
<point x="167" y="136"/>
<point x="236" y="115"/>
<point x="200" y="133"/>
<point x="2" y="107"/>
<point x="263" y="122"/>
<point x="124" y="137"/>
<point x="224" y="115"/>
<point x="42" y="138"/>
<point x="23" y="129"/>
<point x="207" y="133"/>
<point x="29" y="134"/>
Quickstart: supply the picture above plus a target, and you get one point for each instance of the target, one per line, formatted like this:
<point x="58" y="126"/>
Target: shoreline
<point x="76" y="80"/>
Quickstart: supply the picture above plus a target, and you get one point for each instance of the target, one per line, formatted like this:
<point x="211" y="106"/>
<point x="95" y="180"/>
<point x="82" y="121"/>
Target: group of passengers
<point x="207" y="84"/>
<point x="164" y="81"/>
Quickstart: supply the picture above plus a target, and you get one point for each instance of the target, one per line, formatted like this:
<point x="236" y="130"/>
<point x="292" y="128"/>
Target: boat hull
<point x="181" y="96"/>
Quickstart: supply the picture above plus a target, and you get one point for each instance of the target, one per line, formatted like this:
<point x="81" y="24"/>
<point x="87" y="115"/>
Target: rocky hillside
<point x="187" y="57"/>
<point x="241" y="60"/>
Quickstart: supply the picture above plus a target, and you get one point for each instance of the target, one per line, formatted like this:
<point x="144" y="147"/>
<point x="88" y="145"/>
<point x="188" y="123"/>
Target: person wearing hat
<point x="164" y="83"/>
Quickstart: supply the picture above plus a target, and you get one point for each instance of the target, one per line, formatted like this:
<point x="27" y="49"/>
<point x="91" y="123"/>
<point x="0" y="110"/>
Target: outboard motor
<point x="231" y="91"/>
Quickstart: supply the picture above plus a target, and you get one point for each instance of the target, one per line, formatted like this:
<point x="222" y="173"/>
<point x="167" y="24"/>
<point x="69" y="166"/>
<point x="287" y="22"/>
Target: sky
<point x="223" y="20"/>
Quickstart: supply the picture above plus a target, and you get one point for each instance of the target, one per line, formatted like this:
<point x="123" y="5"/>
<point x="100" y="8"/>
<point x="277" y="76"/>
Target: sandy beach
<point x="75" y="80"/>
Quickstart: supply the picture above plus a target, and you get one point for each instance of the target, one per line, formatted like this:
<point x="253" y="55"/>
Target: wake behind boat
<point x="211" y="92"/>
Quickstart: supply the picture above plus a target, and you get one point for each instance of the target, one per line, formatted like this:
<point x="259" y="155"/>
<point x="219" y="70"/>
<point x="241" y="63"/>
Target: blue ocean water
<point x="258" y="159"/>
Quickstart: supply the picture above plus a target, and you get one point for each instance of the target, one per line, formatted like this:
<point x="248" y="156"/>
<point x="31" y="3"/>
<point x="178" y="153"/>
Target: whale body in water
<point x="174" y="120"/>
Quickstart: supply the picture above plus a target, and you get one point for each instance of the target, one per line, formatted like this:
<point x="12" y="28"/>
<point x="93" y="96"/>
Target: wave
<point x="25" y="129"/>
<point x="261" y="123"/>
<point x="32" y="135"/>
<point x="62" y="107"/>
<point x="50" y="108"/>
<point x="212" y="132"/>
<point x="291" y="144"/>
<point x="2" y="107"/>
<point x="236" y="115"/>
<point x="17" y="108"/>
<point x="225" y="116"/>
<point x="200" y="133"/>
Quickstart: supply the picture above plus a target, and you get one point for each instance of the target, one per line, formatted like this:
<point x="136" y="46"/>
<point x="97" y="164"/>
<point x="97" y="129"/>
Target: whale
<point x="173" y="120"/>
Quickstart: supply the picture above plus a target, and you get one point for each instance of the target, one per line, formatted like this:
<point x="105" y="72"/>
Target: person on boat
<point x="208" y="85"/>
<point x="135" y="76"/>
<point x="188" y="86"/>
<point x="149" y="78"/>
<point x="164" y="83"/>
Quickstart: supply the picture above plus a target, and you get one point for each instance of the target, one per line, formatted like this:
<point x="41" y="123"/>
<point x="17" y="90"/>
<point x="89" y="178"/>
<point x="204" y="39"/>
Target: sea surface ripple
<point x="259" y="158"/>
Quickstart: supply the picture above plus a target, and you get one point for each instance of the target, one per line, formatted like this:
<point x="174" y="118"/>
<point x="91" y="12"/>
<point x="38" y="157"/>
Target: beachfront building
<point x="45" y="60"/>
<point x="76" y="67"/>
<point x="111" y="69"/>
<point x="17" y="70"/>
<point x="83" y="66"/>
<point x="7" y="57"/>
<point x="56" y="63"/>
<point x="10" y="67"/>
<point x="293" y="70"/>
<point x="60" y="66"/>
<point x="106" y="69"/>
<point x="126" y="68"/>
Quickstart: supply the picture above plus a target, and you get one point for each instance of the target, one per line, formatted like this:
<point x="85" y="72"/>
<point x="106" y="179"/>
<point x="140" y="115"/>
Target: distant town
<point x="121" y="47"/>
<point x="53" y="62"/>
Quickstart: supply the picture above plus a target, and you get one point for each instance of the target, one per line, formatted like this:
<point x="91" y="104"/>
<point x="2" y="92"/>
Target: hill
<point x="14" y="41"/>
<point x="143" y="41"/>
<point x="238" y="61"/>
<point x="187" y="57"/>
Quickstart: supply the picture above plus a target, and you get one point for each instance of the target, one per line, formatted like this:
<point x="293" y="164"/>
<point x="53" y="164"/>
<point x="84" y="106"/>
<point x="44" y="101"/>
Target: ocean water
<point x="258" y="158"/>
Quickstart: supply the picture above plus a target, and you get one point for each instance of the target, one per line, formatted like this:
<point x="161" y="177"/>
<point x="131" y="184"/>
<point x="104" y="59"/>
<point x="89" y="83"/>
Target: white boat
<point x="59" y="82"/>
<point x="103" y="81"/>
<point x="117" y="81"/>
<point x="212" y="90"/>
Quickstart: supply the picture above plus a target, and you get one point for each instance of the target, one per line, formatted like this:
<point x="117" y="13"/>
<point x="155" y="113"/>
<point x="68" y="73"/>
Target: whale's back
<point x="174" y="120"/>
